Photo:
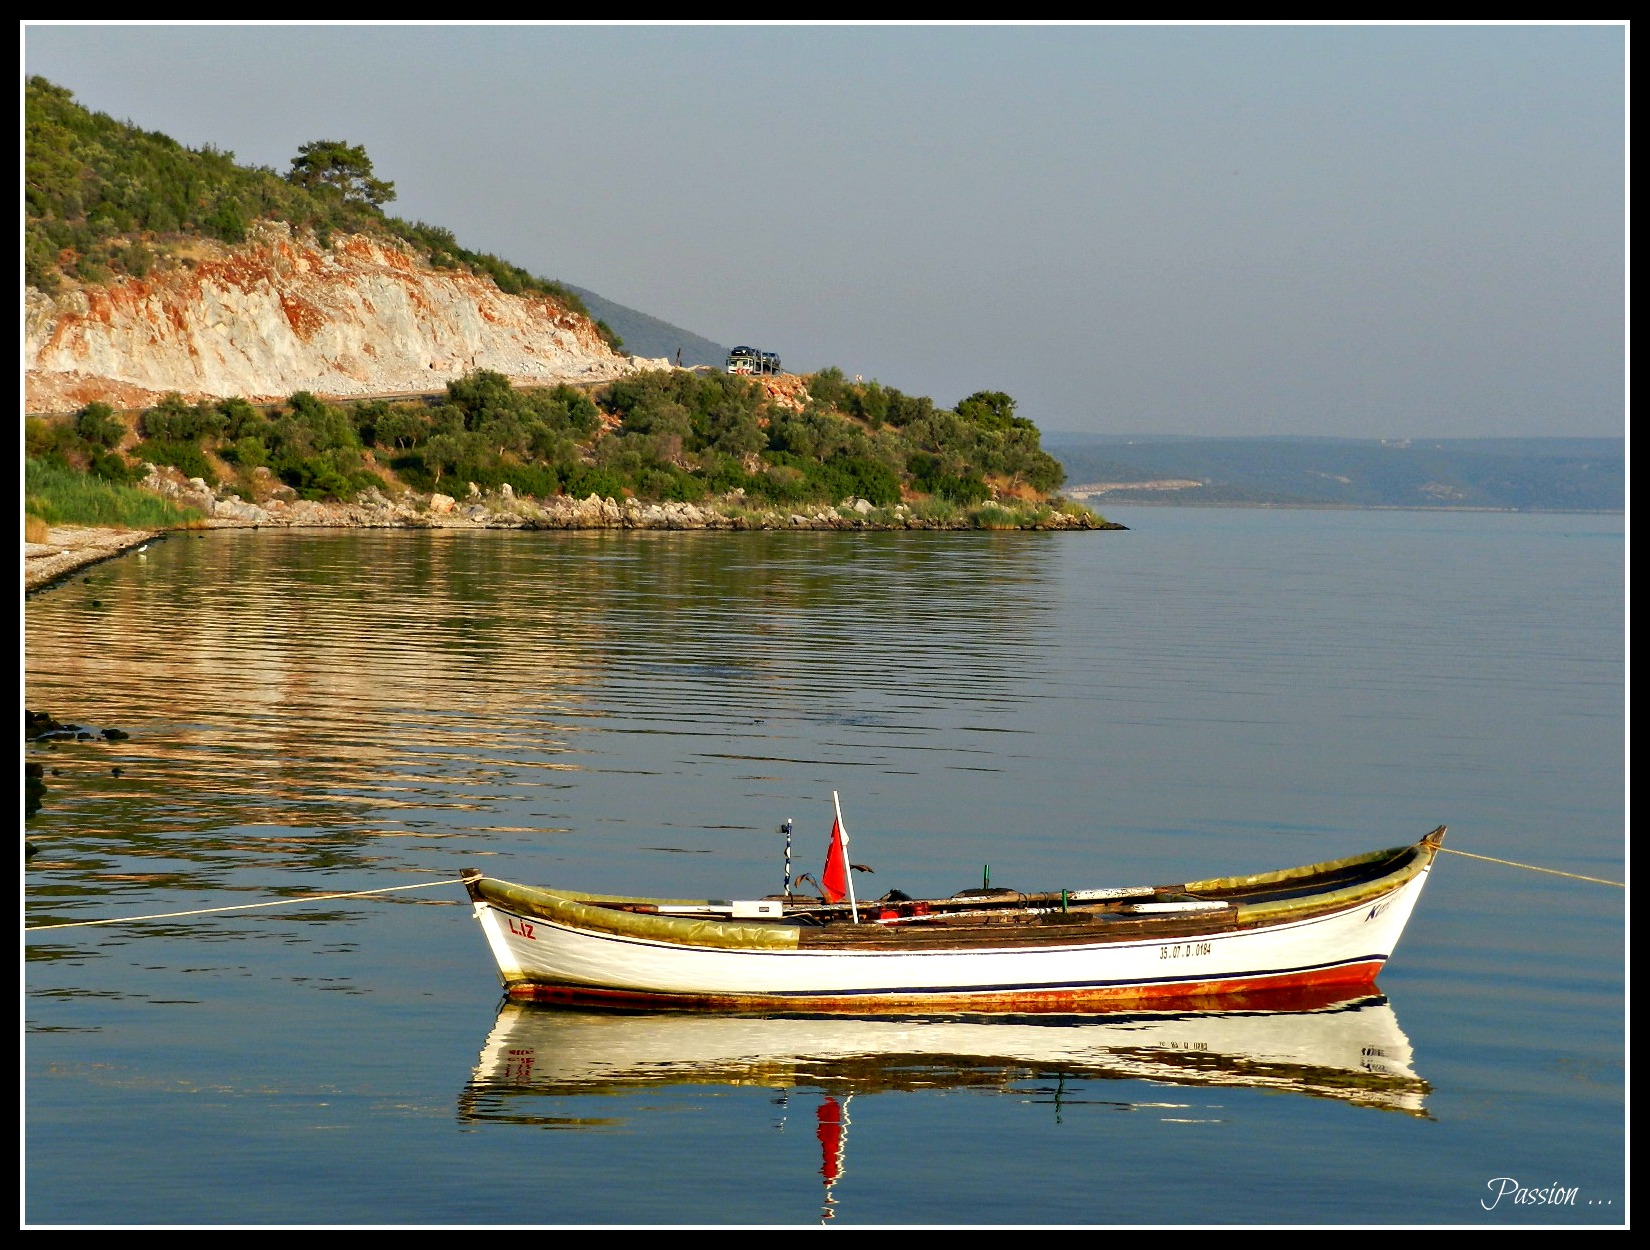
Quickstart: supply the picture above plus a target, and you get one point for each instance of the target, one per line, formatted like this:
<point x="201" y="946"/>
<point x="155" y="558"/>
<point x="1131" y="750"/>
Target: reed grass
<point x="54" y="495"/>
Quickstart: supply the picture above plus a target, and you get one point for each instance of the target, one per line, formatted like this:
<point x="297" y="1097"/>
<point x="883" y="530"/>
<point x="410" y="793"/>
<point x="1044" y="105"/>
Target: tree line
<point x="662" y="435"/>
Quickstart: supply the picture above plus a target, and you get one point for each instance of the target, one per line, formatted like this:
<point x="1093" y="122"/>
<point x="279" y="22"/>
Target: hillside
<point x="280" y="313"/>
<point x="244" y="341"/>
<point x="151" y="268"/>
<point x="647" y="336"/>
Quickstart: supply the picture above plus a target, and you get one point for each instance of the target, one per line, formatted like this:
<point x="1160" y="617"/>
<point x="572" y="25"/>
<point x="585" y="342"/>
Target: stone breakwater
<point x="505" y="509"/>
<point x="70" y="548"/>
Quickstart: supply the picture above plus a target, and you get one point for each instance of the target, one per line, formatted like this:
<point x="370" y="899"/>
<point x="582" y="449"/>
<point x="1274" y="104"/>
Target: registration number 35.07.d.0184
<point x="1181" y="950"/>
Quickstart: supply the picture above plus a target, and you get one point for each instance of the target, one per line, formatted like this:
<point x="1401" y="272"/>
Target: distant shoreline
<point x="1564" y="474"/>
<point x="1352" y="507"/>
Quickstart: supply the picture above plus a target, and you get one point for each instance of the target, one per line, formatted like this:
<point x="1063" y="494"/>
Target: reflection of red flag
<point x="835" y="881"/>
<point x="830" y="1139"/>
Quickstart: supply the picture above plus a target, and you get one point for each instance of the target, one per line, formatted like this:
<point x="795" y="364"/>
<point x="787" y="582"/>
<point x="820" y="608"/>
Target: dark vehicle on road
<point x="750" y="360"/>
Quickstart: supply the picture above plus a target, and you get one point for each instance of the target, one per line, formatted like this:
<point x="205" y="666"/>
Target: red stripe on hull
<point x="1228" y="993"/>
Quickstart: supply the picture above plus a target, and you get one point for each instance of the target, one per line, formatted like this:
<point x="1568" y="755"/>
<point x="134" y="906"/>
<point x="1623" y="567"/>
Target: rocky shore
<point x="68" y="549"/>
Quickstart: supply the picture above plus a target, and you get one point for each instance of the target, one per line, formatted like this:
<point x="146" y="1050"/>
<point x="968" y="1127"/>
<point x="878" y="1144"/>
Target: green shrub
<point x="97" y="424"/>
<point x="175" y="421"/>
<point x="581" y="481"/>
<point x="247" y="454"/>
<point x="410" y="468"/>
<point x="868" y="479"/>
<point x="961" y="489"/>
<point x="111" y="466"/>
<point x="186" y="458"/>
<point x="242" y="420"/>
<point x="39" y="437"/>
<point x="671" y="484"/>
<point x="313" y="425"/>
<point x="399" y="429"/>
<point x="827" y="387"/>
<point x="782" y="484"/>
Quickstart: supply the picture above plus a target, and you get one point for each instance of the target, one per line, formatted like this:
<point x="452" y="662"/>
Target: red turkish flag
<point x="835" y="881"/>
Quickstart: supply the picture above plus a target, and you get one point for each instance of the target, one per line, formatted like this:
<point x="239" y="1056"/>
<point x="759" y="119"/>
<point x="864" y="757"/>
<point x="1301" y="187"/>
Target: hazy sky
<point x="1345" y="230"/>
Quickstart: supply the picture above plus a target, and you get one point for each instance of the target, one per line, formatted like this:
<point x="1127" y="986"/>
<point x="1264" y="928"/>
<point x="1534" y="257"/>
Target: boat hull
<point x="548" y="958"/>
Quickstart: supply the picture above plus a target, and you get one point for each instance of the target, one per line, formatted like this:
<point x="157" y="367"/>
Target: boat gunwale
<point x="1090" y="924"/>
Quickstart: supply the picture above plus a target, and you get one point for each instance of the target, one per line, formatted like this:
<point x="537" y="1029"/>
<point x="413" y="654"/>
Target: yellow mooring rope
<point x="207" y="911"/>
<point x="1512" y="863"/>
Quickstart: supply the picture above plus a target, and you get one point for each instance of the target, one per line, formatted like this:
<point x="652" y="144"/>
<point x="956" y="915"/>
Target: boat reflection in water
<point x="1347" y="1049"/>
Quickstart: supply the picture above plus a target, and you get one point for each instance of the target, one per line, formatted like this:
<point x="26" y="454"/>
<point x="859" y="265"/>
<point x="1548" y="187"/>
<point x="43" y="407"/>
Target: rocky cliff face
<point x="282" y="314"/>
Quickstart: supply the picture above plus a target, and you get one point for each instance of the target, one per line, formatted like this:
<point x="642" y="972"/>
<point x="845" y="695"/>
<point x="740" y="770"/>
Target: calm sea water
<point x="1209" y="692"/>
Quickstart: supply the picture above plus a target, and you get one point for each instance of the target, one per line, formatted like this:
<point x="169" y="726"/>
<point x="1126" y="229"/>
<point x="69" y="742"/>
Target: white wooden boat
<point x="1326" y="924"/>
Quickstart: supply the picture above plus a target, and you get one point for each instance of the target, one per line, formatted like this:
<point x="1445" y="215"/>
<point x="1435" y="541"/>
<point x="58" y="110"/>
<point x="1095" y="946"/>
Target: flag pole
<point x="853" y="906"/>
